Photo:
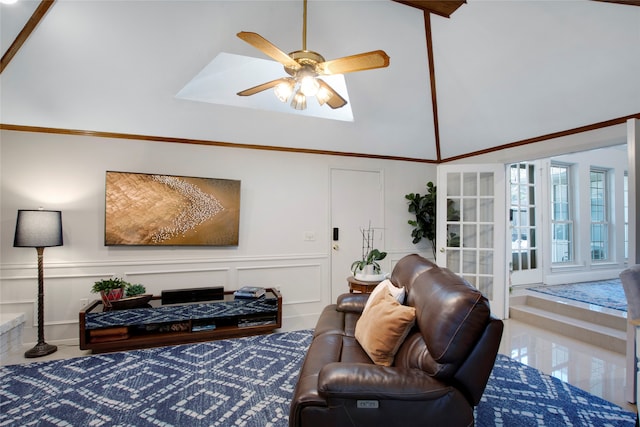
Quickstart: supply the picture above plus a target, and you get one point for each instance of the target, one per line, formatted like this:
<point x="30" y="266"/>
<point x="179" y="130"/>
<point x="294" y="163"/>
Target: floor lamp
<point x="39" y="229"/>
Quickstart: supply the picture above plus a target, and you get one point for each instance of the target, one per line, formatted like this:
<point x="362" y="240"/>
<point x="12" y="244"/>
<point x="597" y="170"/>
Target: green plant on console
<point x="106" y="285"/>
<point x="424" y="208"/>
<point x="371" y="259"/>
<point x="133" y="290"/>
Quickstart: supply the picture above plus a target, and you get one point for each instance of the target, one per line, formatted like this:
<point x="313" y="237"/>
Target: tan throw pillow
<point x="385" y="286"/>
<point x="383" y="327"/>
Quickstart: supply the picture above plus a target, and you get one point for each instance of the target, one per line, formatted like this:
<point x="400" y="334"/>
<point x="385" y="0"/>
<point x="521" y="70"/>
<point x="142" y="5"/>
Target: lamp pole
<point x="39" y="229"/>
<point x="41" y="348"/>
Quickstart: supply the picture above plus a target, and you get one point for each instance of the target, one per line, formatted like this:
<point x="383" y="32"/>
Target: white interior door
<point x="471" y="228"/>
<point x="524" y="235"/>
<point x="356" y="200"/>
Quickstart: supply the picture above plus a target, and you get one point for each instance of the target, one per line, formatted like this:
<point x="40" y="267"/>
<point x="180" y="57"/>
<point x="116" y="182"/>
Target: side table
<point x="356" y="285"/>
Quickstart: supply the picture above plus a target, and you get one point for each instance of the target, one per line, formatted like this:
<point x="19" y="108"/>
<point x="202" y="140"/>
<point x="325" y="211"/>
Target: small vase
<point x="368" y="274"/>
<point x="115" y="294"/>
<point x="111" y="295"/>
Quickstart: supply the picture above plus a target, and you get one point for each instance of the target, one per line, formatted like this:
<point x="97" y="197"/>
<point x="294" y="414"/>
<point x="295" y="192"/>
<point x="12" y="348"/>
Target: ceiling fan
<point x="305" y="68"/>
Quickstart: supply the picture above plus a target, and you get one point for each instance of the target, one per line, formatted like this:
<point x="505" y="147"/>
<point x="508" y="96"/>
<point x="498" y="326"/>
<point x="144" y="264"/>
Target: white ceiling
<point x="506" y="71"/>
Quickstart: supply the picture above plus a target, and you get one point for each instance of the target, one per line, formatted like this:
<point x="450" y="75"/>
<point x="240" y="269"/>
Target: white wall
<point x="284" y="195"/>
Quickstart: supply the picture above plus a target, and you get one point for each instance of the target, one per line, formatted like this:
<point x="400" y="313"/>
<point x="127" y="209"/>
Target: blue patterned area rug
<point x="246" y="382"/>
<point x="606" y="293"/>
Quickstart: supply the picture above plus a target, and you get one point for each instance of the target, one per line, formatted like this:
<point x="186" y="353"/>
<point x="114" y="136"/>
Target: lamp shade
<point x="38" y="229"/>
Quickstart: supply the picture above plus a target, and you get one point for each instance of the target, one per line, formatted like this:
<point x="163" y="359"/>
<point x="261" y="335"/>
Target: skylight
<point x="227" y="74"/>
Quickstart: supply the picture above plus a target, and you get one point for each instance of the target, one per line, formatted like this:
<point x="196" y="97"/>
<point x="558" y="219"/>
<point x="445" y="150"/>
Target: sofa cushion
<point x="383" y="327"/>
<point x="352" y="351"/>
<point x="451" y="315"/>
<point x="407" y="269"/>
<point x="414" y="354"/>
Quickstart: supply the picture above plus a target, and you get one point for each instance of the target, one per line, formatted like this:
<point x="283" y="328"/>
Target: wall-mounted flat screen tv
<point x="167" y="210"/>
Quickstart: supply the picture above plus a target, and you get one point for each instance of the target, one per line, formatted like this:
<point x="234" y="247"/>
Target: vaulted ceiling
<point x="464" y="78"/>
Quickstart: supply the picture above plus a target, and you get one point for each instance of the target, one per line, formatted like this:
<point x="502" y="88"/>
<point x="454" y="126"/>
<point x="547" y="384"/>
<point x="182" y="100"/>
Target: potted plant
<point x="133" y="290"/>
<point x="368" y="265"/>
<point x="118" y="293"/>
<point x="424" y="208"/>
<point x="110" y="289"/>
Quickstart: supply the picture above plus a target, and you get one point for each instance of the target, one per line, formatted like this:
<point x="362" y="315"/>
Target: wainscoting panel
<point x="156" y="281"/>
<point x="302" y="279"/>
<point x="299" y="283"/>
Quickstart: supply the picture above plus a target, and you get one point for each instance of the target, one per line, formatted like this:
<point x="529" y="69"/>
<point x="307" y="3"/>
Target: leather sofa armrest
<point x="368" y="381"/>
<point x="475" y="371"/>
<point x="351" y="302"/>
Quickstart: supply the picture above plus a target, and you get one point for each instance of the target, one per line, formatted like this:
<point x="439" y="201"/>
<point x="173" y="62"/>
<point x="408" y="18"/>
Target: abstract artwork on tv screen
<point x="167" y="210"/>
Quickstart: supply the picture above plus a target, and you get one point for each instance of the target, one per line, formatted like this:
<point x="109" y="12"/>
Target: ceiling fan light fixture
<point x="309" y="86"/>
<point x="284" y="90"/>
<point x="304" y="66"/>
<point x="299" y="101"/>
<point x="323" y="95"/>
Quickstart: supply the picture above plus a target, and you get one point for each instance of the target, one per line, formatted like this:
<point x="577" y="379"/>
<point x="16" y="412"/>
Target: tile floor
<point x="598" y="371"/>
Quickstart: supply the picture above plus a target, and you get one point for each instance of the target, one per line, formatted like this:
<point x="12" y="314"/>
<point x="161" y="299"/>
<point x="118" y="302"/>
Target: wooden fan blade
<point x="268" y="48"/>
<point x="335" y="101"/>
<point x="359" y="62"/>
<point x="262" y="87"/>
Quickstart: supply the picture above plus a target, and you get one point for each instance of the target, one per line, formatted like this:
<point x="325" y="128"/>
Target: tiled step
<point x="11" y="325"/>
<point x="603" y="328"/>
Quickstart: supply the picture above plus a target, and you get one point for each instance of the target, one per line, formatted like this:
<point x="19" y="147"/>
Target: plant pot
<point x="370" y="277"/>
<point x="111" y="295"/>
<point x="368" y="274"/>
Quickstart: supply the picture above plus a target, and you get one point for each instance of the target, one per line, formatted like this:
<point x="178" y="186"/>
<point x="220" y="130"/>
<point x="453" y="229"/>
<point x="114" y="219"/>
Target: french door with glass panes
<point x="524" y="224"/>
<point x="470" y="228"/>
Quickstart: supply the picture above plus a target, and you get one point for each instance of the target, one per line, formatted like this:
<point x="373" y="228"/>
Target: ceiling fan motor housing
<point x="307" y="59"/>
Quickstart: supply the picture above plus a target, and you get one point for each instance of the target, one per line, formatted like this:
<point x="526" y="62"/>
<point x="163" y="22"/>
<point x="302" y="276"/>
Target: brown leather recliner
<point x="439" y="372"/>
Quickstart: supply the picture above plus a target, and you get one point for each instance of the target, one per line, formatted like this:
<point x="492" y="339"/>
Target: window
<point x="599" y="215"/>
<point x="561" y="215"/>
<point x="523" y="217"/>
